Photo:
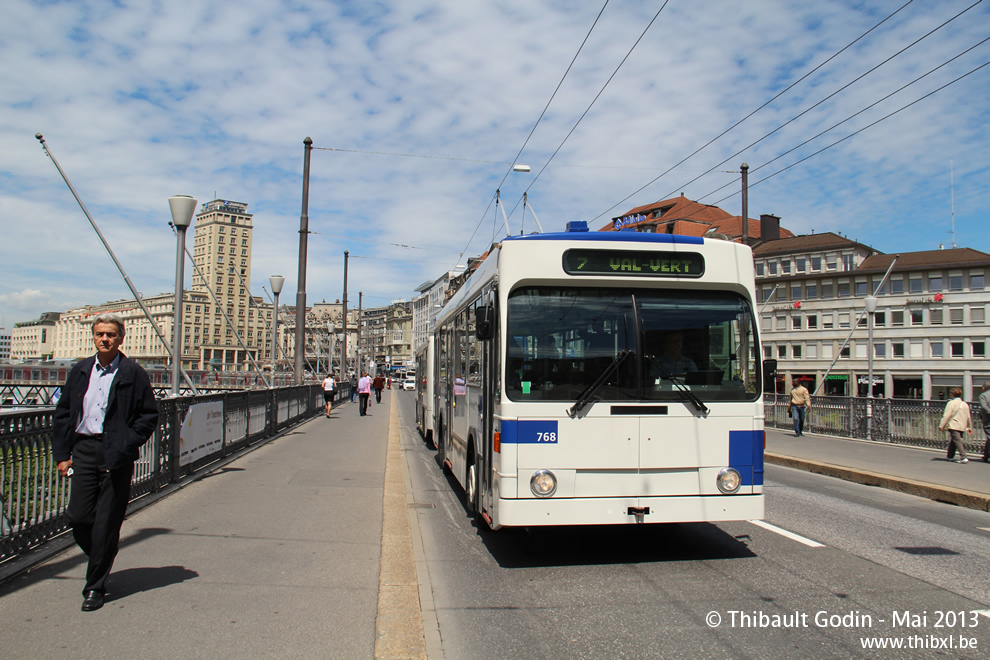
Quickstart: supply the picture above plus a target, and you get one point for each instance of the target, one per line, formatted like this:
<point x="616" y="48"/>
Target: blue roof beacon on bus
<point x="587" y="378"/>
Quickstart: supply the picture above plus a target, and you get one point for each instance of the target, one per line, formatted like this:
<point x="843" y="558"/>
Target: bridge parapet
<point x="33" y="497"/>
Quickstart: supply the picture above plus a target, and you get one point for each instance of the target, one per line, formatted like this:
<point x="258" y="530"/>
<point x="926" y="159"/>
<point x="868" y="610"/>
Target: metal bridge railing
<point x="33" y="497"/>
<point x="900" y="421"/>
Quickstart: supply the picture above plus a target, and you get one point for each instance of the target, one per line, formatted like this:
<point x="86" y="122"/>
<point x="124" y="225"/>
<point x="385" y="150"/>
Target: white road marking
<point x="985" y="613"/>
<point x="791" y="535"/>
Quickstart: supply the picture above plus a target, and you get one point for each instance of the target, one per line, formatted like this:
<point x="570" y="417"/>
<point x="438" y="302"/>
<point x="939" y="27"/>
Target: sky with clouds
<point x="418" y="108"/>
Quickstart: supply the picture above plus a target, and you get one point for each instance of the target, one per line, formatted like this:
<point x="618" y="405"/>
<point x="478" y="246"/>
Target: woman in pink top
<point x="364" y="391"/>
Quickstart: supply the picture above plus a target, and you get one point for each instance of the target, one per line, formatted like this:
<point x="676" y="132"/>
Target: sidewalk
<point x="923" y="472"/>
<point x="278" y="553"/>
<point x="301" y="548"/>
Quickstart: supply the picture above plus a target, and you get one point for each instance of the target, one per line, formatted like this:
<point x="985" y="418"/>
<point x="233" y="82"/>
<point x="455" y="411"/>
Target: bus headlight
<point x="729" y="480"/>
<point x="543" y="483"/>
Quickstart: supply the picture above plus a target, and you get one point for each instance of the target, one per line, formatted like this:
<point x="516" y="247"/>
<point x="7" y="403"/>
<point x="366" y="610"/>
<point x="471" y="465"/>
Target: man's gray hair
<point x="110" y="317"/>
<point x="986" y="385"/>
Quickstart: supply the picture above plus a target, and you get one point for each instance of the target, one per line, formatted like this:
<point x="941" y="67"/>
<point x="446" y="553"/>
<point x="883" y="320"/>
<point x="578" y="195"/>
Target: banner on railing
<point x="202" y="431"/>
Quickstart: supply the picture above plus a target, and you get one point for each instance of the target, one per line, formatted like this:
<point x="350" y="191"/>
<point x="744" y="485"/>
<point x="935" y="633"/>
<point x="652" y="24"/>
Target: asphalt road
<point x="840" y="566"/>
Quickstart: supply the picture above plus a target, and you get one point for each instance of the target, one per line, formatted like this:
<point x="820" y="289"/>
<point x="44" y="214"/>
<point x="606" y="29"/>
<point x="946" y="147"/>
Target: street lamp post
<point x="276" y="281"/>
<point x="182" y="207"/>
<point x="871" y="308"/>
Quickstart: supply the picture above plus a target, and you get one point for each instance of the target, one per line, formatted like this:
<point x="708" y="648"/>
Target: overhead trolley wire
<point x="847" y="85"/>
<point x="840" y="141"/>
<point x="837" y="142"/>
<point x="533" y="130"/>
<point x="388" y="153"/>
<point x="593" y="101"/>
<point x="815" y="105"/>
<point x="870" y="125"/>
<point x="856" y="114"/>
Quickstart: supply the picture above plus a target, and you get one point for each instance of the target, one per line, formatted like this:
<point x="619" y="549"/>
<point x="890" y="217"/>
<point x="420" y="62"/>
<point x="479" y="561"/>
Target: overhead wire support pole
<point x="127" y="280"/>
<point x="343" y="358"/>
<point x="769" y="298"/>
<point x="744" y="170"/>
<point x="301" y="280"/>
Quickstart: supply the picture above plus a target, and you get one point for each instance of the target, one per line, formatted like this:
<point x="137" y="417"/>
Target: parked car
<point x="409" y="383"/>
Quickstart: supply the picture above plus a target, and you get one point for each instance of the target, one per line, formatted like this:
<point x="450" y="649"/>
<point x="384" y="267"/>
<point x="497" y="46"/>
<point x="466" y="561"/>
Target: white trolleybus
<point x="587" y="378"/>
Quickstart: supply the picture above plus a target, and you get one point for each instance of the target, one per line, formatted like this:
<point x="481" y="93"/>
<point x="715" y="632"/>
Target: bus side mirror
<point x="484" y="318"/>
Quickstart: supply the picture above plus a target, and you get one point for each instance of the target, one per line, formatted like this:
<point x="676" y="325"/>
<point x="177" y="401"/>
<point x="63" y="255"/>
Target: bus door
<point x="489" y="385"/>
<point x="444" y="402"/>
<point x="460" y="352"/>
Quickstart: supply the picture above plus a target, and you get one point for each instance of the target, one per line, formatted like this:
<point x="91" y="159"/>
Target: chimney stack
<point x="769" y="227"/>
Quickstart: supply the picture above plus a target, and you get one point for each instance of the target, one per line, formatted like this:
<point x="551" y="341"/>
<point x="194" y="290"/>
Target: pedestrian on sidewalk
<point x="354" y="384"/>
<point x="379" y="385"/>
<point x="329" y="389"/>
<point x="364" y="392"/>
<point x="985" y="418"/>
<point x="957" y="420"/>
<point x="799" y="406"/>
<point x="107" y="410"/>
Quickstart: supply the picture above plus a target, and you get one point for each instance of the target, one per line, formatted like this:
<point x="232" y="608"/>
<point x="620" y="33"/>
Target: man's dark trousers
<point x="364" y="402"/>
<point x="97" y="507"/>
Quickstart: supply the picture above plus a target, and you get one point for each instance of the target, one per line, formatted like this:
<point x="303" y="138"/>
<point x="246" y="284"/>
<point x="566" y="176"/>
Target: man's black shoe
<point x="92" y="600"/>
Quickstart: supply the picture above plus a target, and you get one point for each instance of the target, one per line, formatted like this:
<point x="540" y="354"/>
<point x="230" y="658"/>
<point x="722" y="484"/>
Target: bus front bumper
<point x="628" y="510"/>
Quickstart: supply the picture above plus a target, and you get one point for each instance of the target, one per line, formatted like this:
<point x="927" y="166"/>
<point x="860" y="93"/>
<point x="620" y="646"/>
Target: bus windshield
<point x="560" y="340"/>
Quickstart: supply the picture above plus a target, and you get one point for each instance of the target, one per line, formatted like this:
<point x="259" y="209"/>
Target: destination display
<point x="645" y="263"/>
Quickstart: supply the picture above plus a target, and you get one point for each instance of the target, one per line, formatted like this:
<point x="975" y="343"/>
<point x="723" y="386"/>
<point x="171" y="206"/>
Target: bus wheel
<point x="441" y="453"/>
<point x="471" y="487"/>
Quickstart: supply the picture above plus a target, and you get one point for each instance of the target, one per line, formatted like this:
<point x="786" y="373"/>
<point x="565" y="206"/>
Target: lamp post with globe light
<point x="276" y="281"/>
<point x="182" y="207"/>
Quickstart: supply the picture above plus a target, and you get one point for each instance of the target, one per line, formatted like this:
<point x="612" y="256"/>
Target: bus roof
<point x="612" y="236"/>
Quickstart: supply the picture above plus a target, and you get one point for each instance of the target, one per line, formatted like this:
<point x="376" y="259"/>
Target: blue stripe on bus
<point x="529" y="432"/>
<point x="746" y="456"/>
<point x="616" y="236"/>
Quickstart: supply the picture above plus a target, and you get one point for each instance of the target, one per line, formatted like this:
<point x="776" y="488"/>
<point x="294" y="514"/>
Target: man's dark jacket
<point x="131" y="417"/>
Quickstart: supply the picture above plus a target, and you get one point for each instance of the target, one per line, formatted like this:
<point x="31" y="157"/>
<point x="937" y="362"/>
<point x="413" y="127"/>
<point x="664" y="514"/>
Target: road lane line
<point x="791" y="535"/>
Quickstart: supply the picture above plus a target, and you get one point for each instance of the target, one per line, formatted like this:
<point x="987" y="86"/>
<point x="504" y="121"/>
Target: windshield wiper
<point x="699" y="405"/>
<point x="589" y="391"/>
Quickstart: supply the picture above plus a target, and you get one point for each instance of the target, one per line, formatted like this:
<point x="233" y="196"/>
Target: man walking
<point x="364" y="392"/>
<point x="107" y="410"/>
<point x="379" y="385"/>
<point x="957" y="421"/>
<point x="799" y="407"/>
<point x="985" y="418"/>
